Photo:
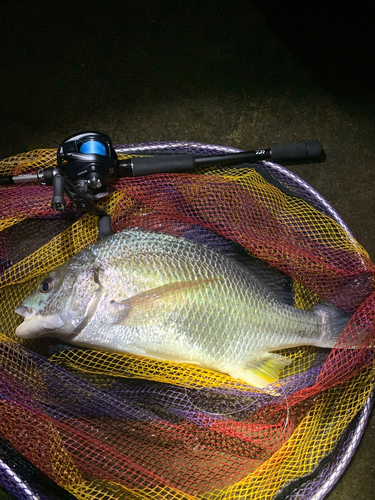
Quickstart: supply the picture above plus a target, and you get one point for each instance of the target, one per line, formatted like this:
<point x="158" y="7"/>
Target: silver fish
<point x="165" y="297"/>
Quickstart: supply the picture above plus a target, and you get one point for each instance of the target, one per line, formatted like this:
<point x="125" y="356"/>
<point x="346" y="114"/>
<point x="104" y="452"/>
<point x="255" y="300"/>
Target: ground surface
<point x="236" y="73"/>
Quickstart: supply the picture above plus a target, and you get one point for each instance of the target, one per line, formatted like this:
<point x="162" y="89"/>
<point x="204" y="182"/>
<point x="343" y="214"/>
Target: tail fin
<point x="333" y="322"/>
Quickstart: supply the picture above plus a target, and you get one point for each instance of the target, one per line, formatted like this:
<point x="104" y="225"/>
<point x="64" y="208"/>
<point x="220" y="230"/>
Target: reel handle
<point x="58" y="201"/>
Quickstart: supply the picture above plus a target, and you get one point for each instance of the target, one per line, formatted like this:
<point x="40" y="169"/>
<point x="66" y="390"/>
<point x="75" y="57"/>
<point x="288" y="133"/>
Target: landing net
<point x="111" y="426"/>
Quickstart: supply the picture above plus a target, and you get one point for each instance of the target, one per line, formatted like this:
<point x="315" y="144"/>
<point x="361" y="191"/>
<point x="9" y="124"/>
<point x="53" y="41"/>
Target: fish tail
<point x="332" y="323"/>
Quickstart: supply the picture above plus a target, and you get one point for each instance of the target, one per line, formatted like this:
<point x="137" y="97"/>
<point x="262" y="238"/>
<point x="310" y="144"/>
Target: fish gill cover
<point x="107" y="425"/>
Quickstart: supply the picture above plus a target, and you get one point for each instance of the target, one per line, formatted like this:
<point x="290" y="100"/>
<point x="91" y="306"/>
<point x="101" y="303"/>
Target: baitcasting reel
<point x="87" y="162"/>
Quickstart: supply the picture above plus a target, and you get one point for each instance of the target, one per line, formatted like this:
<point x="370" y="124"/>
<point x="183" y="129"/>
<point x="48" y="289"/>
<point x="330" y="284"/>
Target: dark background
<point x="240" y="73"/>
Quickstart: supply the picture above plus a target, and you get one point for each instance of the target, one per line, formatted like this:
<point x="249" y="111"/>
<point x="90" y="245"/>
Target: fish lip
<point x="26" y="312"/>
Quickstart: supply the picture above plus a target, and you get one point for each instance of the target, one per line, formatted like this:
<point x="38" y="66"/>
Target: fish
<point x="156" y="295"/>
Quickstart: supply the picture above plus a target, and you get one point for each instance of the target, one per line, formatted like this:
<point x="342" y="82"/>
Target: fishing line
<point x="285" y="399"/>
<point x="246" y="407"/>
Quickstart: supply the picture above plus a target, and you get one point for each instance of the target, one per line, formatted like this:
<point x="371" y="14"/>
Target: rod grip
<point x="6" y="180"/>
<point x="296" y="151"/>
<point x="162" y="164"/>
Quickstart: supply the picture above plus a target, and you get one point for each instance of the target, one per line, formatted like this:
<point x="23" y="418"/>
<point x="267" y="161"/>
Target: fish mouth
<point x="36" y="325"/>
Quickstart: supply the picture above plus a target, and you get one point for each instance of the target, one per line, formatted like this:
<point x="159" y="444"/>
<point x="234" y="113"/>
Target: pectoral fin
<point x="262" y="371"/>
<point x="162" y="296"/>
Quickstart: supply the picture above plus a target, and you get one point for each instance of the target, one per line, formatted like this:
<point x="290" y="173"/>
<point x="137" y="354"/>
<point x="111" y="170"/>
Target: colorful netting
<point x="111" y="426"/>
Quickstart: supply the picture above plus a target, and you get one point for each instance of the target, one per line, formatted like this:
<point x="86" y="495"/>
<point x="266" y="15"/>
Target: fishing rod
<point x="87" y="162"/>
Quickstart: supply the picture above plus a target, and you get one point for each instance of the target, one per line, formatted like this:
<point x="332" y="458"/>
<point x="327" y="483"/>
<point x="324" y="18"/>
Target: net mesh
<point x="108" y="426"/>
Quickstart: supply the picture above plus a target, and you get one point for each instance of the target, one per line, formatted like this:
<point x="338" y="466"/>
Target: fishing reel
<point x="87" y="163"/>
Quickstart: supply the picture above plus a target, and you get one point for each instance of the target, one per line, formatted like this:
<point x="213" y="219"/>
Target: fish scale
<point x="166" y="297"/>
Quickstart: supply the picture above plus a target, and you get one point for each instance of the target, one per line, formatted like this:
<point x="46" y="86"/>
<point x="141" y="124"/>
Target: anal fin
<point x="262" y="371"/>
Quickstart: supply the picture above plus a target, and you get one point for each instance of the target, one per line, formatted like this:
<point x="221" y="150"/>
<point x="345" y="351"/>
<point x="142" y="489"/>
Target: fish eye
<point x="46" y="285"/>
